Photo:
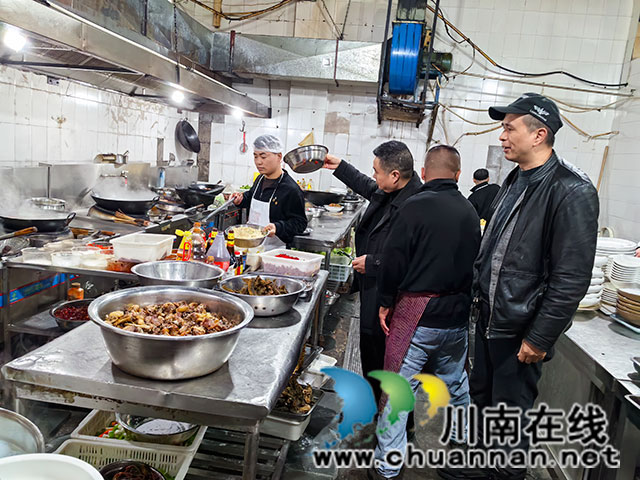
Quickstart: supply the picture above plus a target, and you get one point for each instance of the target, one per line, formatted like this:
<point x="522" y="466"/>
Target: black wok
<point x="187" y="136"/>
<point x="43" y="224"/>
<point x="196" y="196"/>
<point x="136" y="207"/>
<point x="322" y="198"/>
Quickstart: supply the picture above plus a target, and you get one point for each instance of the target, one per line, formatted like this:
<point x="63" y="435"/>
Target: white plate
<point x="600" y="261"/>
<point x="588" y="302"/>
<point x="597" y="281"/>
<point x="615" y="243"/>
<point x="595" y="289"/>
<point x="331" y="209"/>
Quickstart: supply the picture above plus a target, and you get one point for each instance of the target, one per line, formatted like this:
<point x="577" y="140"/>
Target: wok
<point x="43" y="224"/>
<point x="322" y="198"/>
<point x="139" y="207"/>
<point x="187" y="136"/>
<point x="198" y="195"/>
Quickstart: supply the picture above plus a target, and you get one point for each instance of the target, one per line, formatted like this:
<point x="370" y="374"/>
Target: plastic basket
<point x="97" y="421"/>
<point x="339" y="268"/>
<point x="99" y="454"/>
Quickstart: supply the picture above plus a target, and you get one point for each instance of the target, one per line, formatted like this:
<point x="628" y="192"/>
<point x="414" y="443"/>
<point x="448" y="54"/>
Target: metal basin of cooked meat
<point x="170" y="353"/>
<point x="268" y="295"/>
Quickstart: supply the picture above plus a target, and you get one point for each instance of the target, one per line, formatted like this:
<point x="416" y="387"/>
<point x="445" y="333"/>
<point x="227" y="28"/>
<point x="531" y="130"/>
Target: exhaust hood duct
<point x="64" y="44"/>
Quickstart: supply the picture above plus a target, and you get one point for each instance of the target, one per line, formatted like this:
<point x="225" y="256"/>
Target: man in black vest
<point x="483" y="193"/>
<point x="394" y="180"/>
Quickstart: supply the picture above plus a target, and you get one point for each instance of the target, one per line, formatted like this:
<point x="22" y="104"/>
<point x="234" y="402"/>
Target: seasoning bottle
<point x="218" y="252"/>
<point x="198" y="243"/>
<point x="231" y="248"/>
<point x="76" y="292"/>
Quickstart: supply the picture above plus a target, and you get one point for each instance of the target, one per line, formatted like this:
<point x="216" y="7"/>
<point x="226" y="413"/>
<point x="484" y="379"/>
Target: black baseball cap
<point x="534" y="104"/>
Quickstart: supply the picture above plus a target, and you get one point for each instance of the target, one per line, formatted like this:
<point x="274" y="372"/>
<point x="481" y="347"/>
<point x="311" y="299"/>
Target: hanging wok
<point x="54" y="223"/>
<point x="187" y="136"/>
<point x="136" y="207"/>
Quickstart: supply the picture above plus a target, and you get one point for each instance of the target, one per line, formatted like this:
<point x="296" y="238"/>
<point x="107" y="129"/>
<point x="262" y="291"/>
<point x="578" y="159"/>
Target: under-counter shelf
<point x="39" y="324"/>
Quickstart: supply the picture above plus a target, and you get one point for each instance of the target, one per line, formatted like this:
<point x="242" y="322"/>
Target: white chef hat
<point x="268" y="143"/>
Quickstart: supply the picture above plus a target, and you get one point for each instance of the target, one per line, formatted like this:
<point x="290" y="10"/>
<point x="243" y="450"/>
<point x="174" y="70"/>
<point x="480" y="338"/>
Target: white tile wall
<point x="72" y="123"/>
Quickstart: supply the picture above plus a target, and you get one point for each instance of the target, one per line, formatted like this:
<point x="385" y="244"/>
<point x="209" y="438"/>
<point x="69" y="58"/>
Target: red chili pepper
<point x="73" y="313"/>
<point x="284" y="255"/>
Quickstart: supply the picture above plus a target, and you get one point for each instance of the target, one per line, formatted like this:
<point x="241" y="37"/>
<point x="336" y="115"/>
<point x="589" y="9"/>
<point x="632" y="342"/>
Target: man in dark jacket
<point x="533" y="268"/>
<point x="483" y="193"/>
<point x="395" y="181"/>
<point x="425" y="278"/>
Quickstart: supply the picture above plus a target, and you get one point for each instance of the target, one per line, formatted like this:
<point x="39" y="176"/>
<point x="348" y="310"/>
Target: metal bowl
<point x="46" y="203"/>
<point x="69" y="324"/>
<point x="156" y="430"/>
<point x="306" y="159"/>
<point x="314" y="212"/>
<point x="244" y="243"/>
<point x="109" y="471"/>
<point x="267" y="305"/>
<point x="19" y="434"/>
<point x="163" y="357"/>
<point x="172" y="272"/>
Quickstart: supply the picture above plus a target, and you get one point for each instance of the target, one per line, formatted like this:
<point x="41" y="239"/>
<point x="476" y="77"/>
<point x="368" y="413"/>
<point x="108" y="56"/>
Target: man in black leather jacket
<point x="533" y="268"/>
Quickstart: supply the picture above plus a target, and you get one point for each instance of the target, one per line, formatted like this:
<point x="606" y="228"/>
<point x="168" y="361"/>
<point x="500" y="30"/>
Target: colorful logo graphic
<point x="359" y="405"/>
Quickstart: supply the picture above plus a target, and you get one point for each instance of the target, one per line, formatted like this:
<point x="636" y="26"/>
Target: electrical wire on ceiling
<point x="239" y="16"/>
<point x="475" y="47"/>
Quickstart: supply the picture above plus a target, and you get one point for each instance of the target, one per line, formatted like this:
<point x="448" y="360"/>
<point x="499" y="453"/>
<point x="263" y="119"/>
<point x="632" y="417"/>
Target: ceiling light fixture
<point x="14" y="39"/>
<point x="177" y="96"/>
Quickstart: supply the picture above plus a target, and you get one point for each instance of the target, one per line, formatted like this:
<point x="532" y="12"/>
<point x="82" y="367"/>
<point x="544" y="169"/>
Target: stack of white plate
<point x="625" y="271"/>
<point x="610" y="247"/>
<point x="609" y="294"/>
<point x="591" y="301"/>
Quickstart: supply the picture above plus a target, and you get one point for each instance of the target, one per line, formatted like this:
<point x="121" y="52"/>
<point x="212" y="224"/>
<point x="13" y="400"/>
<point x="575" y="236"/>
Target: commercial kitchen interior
<point x="314" y="66"/>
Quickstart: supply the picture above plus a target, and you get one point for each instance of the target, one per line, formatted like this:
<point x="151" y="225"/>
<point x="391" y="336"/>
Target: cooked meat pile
<point x="295" y="398"/>
<point x="172" y="318"/>
<point x="135" y="472"/>
<point x="259" y="286"/>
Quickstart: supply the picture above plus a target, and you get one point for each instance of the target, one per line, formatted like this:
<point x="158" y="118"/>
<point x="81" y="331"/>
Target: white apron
<point x="259" y="215"/>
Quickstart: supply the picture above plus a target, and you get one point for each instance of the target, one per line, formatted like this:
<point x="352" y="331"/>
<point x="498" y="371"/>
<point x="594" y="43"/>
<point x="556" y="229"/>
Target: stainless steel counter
<point x="592" y="364"/>
<point x="75" y="369"/>
<point x="328" y="230"/>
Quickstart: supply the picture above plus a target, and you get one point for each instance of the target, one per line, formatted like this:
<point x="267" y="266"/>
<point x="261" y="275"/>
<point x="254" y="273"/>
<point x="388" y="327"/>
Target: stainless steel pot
<point x="163" y="357"/>
<point x="46" y="203"/>
<point x="266" y="305"/>
<point x="167" y="432"/>
<point x="19" y="434"/>
<point x="306" y="159"/>
<point x="171" y="272"/>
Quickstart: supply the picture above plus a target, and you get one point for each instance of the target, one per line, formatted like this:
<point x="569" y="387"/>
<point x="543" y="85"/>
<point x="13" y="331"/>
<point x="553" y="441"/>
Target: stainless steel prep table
<point x="327" y="231"/>
<point x="75" y="369"/>
<point x="592" y="364"/>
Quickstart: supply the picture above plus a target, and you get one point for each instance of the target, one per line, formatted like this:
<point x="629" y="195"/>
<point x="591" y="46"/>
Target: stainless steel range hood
<point x="64" y="44"/>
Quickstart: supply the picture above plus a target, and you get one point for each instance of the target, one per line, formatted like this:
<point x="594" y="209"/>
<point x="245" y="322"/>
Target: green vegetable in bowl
<point x="245" y="187"/>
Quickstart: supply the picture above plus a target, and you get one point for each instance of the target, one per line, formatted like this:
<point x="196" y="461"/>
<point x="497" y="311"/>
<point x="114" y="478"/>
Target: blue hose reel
<point x="406" y="45"/>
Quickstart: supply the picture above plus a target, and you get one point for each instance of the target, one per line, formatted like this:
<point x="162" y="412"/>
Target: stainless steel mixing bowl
<point x="18" y="435"/>
<point x="306" y="159"/>
<point x="246" y="242"/>
<point x="266" y="305"/>
<point x="167" y="432"/>
<point x="163" y="357"/>
<point x="171" y="272"/>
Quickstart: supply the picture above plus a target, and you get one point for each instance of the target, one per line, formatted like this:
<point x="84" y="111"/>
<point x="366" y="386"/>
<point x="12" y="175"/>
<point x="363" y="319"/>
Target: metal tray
<point x="316" y="397"/>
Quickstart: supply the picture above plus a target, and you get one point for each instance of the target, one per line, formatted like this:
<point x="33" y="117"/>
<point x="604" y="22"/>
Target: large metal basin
<point x="163" y="357"/>
<point x="170" y="272"/>
<point x="18" y="435"/>
<point x="266" y="305"/>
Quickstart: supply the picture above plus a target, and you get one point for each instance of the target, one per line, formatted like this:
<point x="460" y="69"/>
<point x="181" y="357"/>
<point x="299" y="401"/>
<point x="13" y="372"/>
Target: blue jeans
<point x="444" y="352"/>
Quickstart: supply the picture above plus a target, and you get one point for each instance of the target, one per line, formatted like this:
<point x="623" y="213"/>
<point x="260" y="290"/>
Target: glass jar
<point x="76" y="292"/>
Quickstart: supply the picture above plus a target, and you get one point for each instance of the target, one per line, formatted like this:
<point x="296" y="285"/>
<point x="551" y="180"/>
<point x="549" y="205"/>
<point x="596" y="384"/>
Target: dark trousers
<point x="372" y="355"/>
<point x="498" y="376"/>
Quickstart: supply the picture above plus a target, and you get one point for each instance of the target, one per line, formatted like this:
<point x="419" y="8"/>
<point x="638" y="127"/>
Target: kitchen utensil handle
<point x="19" y="233"/>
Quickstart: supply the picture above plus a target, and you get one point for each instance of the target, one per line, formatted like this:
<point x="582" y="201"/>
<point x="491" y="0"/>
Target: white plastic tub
<point x="307" y="265"/>
<point x="142" y="247"/>
<point x="46" y="466"/>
